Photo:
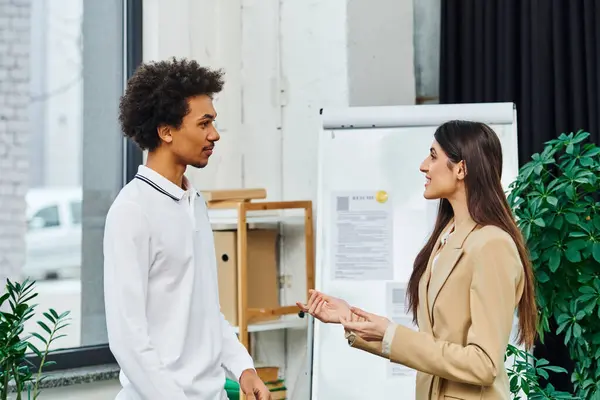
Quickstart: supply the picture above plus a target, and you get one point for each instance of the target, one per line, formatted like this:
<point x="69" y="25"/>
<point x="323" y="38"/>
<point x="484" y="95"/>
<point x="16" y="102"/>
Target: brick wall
<point x="14" y="133"/>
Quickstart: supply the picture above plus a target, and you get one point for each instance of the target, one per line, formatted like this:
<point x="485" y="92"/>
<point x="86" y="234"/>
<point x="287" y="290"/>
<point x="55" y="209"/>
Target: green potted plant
<point x="17" y="373"/>
<point x="524" y="376"/>
<point x="556" y="200"/>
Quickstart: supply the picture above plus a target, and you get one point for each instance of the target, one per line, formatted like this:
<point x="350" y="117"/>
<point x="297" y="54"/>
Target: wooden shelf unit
<point x="243" y="205"/>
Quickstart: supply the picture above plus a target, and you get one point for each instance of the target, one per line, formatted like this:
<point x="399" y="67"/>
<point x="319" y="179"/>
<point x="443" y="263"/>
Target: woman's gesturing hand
<point x="370" y="327"/>
<point x="325" y="308"/>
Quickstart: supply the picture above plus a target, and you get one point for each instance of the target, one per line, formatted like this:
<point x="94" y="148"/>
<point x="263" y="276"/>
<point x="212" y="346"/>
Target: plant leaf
<point x="540" y="222"/>
<point x="554" y="260"/>
<point x="572" y="218"/>
<point x="39" y="337"/>
<point x="552" y="200"/>
<point x="50" y="317"/>
<point x="45" y="327"/>
<point x="54" y="313"/>
<point x="573" y="255"/>
<point x="596" y="251"/>
<point x="542" y="277"/>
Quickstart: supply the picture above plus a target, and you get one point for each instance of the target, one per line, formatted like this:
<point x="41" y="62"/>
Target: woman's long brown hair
<point x="479" y="147"/>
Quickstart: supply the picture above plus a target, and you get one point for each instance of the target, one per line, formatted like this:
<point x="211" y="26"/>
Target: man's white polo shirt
<point x="165" y="327"/>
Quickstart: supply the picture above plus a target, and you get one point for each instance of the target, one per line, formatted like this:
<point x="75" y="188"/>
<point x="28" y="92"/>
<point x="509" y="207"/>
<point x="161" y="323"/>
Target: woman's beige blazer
<point x="465" y="318"/>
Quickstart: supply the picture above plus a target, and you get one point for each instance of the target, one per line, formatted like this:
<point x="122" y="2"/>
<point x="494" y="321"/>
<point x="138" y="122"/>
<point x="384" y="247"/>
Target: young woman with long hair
<point x="467" y="281"/>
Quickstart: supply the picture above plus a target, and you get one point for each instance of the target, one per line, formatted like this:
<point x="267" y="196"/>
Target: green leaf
<point x="59" y="327"/>
<point x="580" y="315"/>
<point x="568" y="334"/>
<point x="587" y="289"/>
<point x="542" y="277"/>
<point x="29" y="298"/>
<point x="50" y="317"/>
<point x="552" y="200"/>
<point x="54" y="313"/>
<point x="526" y="232"/>
<point x="539" y="222"/>
<point x="562" y="327"/>
<point x="558" y="370"/>
<point x="589" y="308"/>
<point x="35" y="350"/>
<point x="572" y="218"/>
<point x="541" y="362"/>
<point x="581" y="136"/>
<point x="45" y="327"/>
<point x="558" y="221"/>
<point x="587" y="383"/>
<point x="4" y="298"/>
<point x="578" y="234"/>
<point x="514" y="384"/>
<point x="596" y="251"/>
<point x="562" y="318"/>
<point x="573" y="255"/>
<point x="570" y="148"/>
<point x="40" y="337"/>
<point x="554" y="260"/>
<point x="541" y="372"/>
<point x="577" y="244"/>
<point x="586" y="297"/>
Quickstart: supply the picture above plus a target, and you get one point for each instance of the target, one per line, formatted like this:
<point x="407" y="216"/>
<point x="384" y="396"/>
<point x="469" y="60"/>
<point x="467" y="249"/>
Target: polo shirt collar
<point x="162" y="184"/>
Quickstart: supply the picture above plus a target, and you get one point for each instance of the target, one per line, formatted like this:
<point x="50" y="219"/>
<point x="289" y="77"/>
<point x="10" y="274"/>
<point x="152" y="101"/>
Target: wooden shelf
<point x="227" y="219"/>
<point x="242" y="214"/>
<point x="285" y="322"/>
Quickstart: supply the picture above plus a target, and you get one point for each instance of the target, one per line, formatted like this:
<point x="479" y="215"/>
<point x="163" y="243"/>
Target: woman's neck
<point x="460" y="209"/>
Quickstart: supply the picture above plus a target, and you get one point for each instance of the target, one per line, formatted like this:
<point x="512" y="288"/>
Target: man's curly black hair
<point x="157" y="95"/>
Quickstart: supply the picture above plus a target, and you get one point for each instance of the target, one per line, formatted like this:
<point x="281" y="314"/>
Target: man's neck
<point x="165" y="166"/>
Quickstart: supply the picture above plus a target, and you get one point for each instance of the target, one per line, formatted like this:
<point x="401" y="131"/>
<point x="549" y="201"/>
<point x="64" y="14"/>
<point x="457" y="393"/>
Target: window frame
<point x="94" y="355"/>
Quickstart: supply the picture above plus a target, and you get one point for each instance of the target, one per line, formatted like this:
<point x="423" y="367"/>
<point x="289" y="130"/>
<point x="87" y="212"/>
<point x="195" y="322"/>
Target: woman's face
<point x="442" y="177"/>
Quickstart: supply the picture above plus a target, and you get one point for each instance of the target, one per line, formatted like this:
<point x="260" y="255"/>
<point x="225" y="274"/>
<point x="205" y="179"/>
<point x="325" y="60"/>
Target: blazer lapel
<point x="425" y="315"/>
<point x="446" y="262"/>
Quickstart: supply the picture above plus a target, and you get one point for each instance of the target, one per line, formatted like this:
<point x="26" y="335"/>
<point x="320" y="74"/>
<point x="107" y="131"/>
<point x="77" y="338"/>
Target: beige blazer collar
<point x="446" y="262"/>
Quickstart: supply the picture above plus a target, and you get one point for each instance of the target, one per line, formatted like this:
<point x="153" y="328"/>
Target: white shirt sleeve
<point x="126" y="267"/>
<point x="388" y="338"/>
<point x="235" y="357"/>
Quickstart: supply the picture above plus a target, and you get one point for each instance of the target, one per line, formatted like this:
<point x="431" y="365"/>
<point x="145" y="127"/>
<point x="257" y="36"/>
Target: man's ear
<point x="462" y="170"/>
<point x="164" y="133"/>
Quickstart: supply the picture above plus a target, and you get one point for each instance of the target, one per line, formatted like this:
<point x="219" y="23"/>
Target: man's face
<point x="194" y="141"/>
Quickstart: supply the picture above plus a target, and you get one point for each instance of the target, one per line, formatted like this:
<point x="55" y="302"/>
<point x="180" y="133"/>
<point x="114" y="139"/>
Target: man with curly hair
<point x="164" y="323"/>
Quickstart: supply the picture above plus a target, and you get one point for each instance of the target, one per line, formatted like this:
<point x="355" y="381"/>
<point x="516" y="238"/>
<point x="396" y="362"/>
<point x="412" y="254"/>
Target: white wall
<point x="284" y="61"/>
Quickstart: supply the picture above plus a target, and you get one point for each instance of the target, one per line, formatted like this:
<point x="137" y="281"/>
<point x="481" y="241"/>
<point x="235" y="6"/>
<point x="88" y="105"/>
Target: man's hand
<point x="370" y="327"/>
<point x="325" y="308"/>
<point x="253" y="387"/>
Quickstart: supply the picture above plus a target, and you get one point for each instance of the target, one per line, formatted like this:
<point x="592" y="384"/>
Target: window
<point x="47" y="217"/>
<point x="63" y="66"/>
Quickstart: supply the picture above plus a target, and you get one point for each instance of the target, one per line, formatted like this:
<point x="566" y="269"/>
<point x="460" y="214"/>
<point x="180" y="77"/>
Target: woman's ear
<point x="462" y="170"/>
